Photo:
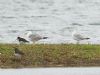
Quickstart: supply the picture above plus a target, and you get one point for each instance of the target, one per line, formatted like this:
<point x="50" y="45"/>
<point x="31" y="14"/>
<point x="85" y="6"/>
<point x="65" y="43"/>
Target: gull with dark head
<point x="22" y="40"/>
<point x="78" y="36"/>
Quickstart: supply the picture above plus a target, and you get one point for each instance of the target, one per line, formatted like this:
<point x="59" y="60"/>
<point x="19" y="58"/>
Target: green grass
<point x="50" y="55"/>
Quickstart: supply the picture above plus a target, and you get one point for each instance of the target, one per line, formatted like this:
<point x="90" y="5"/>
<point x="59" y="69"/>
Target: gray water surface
<point x="54" y="18"/>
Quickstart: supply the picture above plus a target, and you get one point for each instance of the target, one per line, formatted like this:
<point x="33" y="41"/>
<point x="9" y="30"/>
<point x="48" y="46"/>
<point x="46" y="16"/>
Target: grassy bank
<point x="64" y="55"/>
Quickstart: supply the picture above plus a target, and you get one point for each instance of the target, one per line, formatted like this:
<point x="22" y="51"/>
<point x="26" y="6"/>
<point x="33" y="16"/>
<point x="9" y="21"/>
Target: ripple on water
<point x="13" y="31"/>
<point x="94" y="24"/>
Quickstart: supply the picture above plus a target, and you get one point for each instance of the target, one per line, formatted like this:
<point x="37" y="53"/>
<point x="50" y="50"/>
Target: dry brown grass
<point x="50" y="55"/>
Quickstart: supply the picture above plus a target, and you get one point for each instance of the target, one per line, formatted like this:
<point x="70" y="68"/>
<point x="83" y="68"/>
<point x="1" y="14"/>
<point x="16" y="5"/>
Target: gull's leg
<point x="33" y="42"/>
<point x="77" y="42"/>
<point x="89" y="42"/>
<point x="21" y="42"/>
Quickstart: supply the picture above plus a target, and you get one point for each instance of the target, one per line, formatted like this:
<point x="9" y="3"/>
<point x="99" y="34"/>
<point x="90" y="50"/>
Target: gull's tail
<point x="45" y="37"/>
<point x="87" y="38"/>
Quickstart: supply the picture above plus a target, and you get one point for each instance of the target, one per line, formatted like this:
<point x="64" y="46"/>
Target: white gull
<point x="34" y="37"/>
<point x="78" y="36"/>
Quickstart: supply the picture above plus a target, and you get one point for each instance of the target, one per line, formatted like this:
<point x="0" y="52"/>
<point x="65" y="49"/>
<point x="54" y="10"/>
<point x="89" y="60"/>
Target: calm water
<point x="53" y="18"/>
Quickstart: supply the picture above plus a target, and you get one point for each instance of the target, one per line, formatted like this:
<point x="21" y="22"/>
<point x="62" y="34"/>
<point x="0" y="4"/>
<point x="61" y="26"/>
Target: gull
<point x="34" y="37"/>
<point x="78" y="37"/>
<point x="22" y="40"/>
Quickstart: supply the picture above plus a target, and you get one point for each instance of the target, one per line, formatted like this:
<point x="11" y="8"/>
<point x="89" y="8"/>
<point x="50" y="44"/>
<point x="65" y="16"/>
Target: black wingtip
<point x="87" y="38"/>
<point x="45" y="37"/>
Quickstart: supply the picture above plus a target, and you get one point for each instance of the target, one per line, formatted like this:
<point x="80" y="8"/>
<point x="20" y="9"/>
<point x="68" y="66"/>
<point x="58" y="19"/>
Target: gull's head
<point x="74" y="32"/>
<point x="28" y="33"/>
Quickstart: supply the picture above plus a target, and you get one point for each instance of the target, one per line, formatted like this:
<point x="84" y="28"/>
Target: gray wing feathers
<point x="35" y="37"/>
<point x="78" y="36"/>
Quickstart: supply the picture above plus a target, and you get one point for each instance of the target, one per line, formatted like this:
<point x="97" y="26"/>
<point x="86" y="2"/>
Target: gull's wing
<point x="79" y="36"/>
<point x="35" y="37"/>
